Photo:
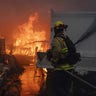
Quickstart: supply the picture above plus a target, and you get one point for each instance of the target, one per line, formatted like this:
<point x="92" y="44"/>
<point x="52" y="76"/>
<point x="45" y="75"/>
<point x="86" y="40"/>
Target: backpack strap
<point x="69" y="43"/>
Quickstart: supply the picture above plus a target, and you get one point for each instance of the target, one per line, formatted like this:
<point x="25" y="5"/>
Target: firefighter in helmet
<point x="58" y="81"/>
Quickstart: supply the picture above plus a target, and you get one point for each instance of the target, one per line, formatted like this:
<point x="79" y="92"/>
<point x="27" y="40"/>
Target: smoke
<point x="16" y="12"/>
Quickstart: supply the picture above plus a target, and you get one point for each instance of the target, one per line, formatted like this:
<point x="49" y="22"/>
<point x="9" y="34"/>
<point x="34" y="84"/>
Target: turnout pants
<point x="59" y="83"/>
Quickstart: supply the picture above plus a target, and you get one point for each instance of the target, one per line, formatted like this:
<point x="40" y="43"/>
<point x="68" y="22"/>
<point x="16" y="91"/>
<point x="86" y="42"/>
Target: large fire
<point x="30" y="39"/>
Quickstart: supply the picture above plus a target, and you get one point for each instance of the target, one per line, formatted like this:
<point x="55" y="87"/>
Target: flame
<point x="30" y="39"/>
<point x="45" y="70"/>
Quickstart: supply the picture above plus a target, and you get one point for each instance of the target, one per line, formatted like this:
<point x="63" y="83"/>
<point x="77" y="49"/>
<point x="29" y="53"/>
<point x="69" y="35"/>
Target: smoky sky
<point x="16" y="12"/>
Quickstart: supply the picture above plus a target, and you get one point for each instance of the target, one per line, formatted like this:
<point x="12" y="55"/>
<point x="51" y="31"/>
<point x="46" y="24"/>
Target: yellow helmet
<point x="58" y="23"/>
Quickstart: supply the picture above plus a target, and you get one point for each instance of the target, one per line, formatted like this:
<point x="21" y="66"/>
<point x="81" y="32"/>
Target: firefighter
<point x="58" y="82"/>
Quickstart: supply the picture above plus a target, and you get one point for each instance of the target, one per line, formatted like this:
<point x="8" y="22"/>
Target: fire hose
<point x="91" y="30"/>
<point x="85" y="82"/>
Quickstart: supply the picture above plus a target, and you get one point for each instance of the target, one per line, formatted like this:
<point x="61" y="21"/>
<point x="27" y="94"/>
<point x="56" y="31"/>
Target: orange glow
<point x="30" y="39"/>
<point x="1" y="37"/>
<point x="45" y="70"/>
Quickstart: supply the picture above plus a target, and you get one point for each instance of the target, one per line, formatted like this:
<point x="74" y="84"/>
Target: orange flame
<point x="30" y="39"/>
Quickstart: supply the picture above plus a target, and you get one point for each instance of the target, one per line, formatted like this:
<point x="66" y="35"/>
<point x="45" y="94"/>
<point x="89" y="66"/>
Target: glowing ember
<point x="45" y="70"/>
<point x="30" y="40"/>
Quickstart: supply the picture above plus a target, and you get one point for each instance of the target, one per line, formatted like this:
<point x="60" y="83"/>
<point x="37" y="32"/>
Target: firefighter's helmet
<point x="58" y="23"/>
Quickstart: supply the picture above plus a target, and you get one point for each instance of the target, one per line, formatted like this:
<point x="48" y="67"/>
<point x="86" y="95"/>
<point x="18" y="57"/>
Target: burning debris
<point x="10" y="70"/>
<point x="30" y="38"/>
